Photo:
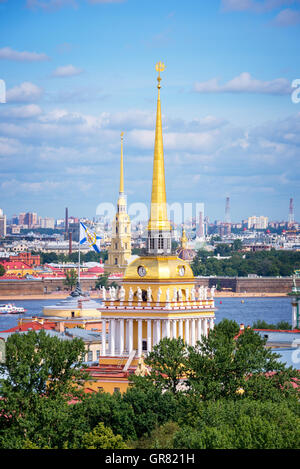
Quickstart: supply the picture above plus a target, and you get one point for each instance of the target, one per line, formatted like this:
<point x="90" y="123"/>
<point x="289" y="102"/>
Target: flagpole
<point x="79" y="254"/>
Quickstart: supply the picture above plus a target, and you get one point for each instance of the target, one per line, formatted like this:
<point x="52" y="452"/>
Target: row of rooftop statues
<point x="115" y="294"/>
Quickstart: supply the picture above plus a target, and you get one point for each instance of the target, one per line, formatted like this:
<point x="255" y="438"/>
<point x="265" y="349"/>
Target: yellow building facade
<point x="158" y="296"/>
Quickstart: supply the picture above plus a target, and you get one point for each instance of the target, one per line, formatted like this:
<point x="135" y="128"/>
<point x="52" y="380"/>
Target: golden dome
<point x="158" y="268"/>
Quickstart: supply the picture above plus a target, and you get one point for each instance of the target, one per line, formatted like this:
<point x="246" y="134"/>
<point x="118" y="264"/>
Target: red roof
<point x="96" y="269"/>
<point x="34" y="325"/>
<point x="15" y="265"/>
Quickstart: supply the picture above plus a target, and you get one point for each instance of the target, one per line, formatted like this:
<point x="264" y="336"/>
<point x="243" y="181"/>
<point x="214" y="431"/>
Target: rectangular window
<point x="116" y="389"/>
<point x="160" y="242"/>
<point x="90" y="356"/>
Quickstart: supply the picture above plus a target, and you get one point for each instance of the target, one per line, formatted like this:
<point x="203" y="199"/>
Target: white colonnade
<point x="121" y="333"/>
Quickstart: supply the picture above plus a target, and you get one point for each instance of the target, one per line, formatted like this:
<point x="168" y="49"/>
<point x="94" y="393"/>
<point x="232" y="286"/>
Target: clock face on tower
<point x="141" y="271"/>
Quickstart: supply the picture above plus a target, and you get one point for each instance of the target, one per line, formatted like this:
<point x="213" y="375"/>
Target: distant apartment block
<point x="259" y="223"/>
<point x="47" y="222"/>
<point x="2" y="223"/>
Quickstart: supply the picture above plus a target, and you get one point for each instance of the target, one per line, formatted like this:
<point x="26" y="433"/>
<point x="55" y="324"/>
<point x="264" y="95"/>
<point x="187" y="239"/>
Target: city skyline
<point x="230" y="125"/>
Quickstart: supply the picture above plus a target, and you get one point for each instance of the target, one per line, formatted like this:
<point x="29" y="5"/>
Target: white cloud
<point x="25" y="92"/>
<point x="22" y="112"/>
<point x="131" y="119"/>
<point x="96" y="2"/>
<point x="13" y="186"/>
<point x="65" y="153"/>
<point x="287" y="17"/>
<point x="7" y="53"/>
<point x="8" y="146"/>
<point x="53" y="5"/>
<point x="244" y="83"/>
<point x="67" y="71"/>
<point x="50" y="5"/>
<point x="262" y="6"/>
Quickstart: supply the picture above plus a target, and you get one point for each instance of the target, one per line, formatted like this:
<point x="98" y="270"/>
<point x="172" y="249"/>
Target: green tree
<point x="237" y="245"/>
<point x="246" y="424"/>
<point x="112" y="409"/>
<point x="71" y="278"/>
<point x="282" y="325"/>
<point x="222" y="366"/>
<point x="102" y="437"/>
<point x="41" y="375"/>
<point x="103" y="281"/>
<point x="265" y="263"/>
<point x="161" y="437"/>
<point x="151" y="407"/>
<point x="167" y="363"/>
<point x="223" y="249"/>
<point x="2" y="270"/>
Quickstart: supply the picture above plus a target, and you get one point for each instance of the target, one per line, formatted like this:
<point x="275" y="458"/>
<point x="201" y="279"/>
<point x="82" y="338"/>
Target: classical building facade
<point x="158" y="296"/>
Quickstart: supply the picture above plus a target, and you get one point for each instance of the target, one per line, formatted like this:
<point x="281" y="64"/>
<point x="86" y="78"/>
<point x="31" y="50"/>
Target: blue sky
<point x="78" y="72"/>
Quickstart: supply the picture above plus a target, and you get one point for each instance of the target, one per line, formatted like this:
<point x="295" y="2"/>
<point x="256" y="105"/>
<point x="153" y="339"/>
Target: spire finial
<point x="121" y="167"/>
<point x="159" y="67"/>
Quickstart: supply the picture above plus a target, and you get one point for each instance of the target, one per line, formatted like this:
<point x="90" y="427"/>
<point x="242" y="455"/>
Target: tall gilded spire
<point x="121" y="167"/>
<point x="158" y="213"/>
<point x="159" y="227"/>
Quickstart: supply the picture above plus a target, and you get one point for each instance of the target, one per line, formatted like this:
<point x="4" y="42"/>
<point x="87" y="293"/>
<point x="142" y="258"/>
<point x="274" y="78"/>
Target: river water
<point x="244" y="311"/>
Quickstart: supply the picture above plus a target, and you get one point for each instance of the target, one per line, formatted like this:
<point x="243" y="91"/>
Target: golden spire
<point x="184" y="239"/>
<point x="121" y="167"/>
<point x="158" y="213"/>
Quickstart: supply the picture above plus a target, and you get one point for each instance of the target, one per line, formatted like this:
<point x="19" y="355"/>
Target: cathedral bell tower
<point x="119" y="252"/>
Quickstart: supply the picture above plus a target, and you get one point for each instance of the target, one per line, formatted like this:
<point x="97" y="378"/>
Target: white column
<point x="187" y="331"/>
<point x="180" y="329"/>
<point x="211" y="324"/>
<point x="199" y="329"/>
<point x="205" y="327"/>
<point x="149" y="341"/>
<point x="103" y="337"/>
<point x="295" y="303"/>
<point x="174" y="329"/>
<point x="168" y="329"/>
<point x="193" y="335"/>
<point x="121" y="337"/>
<point x="112" y="337"/>
<point x="163" y="329"/>
<point x="130" y="335"/>
<point x="140" y="336"/>
<point x="157" y="331"/>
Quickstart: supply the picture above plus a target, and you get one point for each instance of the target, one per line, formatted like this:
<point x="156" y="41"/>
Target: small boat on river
<point x="11" y="309"/>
